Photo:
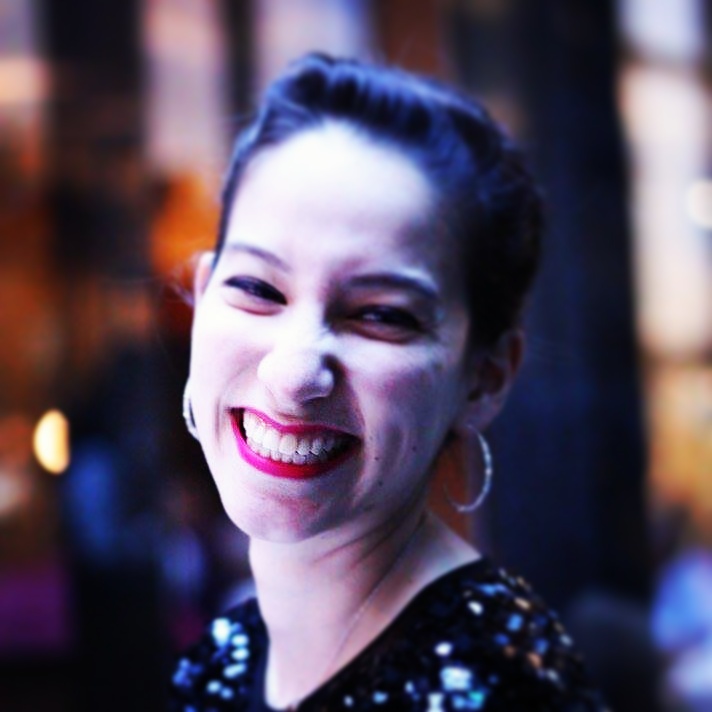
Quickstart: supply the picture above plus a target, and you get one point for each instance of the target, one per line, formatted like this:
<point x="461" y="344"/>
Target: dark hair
<point x="489" y="200"/>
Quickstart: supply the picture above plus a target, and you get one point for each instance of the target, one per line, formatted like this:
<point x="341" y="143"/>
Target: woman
<point x="358" y="324"/>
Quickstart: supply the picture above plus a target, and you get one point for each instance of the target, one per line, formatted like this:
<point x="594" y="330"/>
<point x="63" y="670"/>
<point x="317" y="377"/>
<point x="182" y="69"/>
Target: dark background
<point x="115" y="126"/>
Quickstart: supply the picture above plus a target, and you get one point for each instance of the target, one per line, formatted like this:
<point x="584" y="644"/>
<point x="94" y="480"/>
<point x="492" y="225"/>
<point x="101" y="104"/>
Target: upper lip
<point x="299" y="428"/>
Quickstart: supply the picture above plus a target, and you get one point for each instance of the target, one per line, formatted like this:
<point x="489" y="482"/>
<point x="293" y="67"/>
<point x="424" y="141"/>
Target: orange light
<point x="51" y="442"/>
<point x="23" y="80"/>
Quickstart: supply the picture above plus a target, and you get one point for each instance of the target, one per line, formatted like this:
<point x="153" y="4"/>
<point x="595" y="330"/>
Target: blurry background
<point x="116" y="119"/>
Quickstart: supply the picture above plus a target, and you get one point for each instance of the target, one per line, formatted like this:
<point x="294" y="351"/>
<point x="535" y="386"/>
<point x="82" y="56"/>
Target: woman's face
<point x="329" y="341"/>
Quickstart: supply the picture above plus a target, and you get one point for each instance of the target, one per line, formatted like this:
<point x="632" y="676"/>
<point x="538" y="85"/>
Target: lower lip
<point x="284" y="469"/>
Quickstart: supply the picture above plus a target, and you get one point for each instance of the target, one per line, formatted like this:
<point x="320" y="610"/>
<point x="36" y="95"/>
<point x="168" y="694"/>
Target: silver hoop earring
<point x="468" y="507"/>
<point x="188" y="416"/>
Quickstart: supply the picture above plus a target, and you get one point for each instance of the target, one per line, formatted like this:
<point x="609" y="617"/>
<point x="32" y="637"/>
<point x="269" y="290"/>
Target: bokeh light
<point x="698" y="203"/>
<point x="51" y="442"/>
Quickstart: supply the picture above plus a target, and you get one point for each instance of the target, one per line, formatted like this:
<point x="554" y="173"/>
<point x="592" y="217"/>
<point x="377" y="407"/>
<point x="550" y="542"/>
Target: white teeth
<point x="288" y="444"/>
<point x="317" y="445"/>
<point x="271" y="440"/>
<point x="271" y="443"/>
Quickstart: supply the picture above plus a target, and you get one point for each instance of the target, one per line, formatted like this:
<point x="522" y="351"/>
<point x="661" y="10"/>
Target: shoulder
<point x="476" y="639"/>
<point x="219" y="668"/>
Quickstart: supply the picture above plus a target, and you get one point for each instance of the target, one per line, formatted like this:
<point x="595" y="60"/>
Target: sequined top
<point x="474" y="639"/>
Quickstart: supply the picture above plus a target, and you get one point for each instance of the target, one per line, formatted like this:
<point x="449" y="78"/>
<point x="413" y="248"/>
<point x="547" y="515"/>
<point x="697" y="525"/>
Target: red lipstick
<point x="346" y="446"/>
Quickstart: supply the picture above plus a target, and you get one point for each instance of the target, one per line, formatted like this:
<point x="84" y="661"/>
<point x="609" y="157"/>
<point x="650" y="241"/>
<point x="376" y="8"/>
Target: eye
<point x="256" y="289"/>
<point x="387" y="319"/>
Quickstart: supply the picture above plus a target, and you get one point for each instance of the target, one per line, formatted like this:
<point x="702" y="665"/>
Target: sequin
<point x="182" y="675"/>
<point x="240" y="640"/>
<point x="435" y="701"/>
<point x="478" y="698"/>
<point x="233" y="671"/>
<point x="523" y="604"/>
<point x="221" y="630"/>
<point x="541" y="646"/>
<point x="456" y="678"/>
<point x="475" y="607"/>
<point x="240" y="654"/>
<point x="492" y="589"/>
<point x="534" y="660"/>
<point x="213" y="687"/>
<point x="552" y="675"/>
<point x="472" y="701"/>
<point x="473" y="638"/>
<point x="443" y="649"/>
<point x="515" y="622"/>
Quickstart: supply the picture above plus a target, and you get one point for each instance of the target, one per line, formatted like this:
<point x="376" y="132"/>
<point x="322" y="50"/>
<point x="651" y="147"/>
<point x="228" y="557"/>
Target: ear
<point x="493" y="374"/>
<point x="203" y="271"/>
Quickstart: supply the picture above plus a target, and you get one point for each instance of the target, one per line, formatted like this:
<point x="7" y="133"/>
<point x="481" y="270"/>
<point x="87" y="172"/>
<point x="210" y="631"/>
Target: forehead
<point x="331" y="190"/>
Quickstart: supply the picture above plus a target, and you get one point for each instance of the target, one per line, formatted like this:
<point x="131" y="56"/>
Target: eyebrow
<point x="392" y="280"/>
<point x="258" y="252"/>
<point x="384" y="280"/>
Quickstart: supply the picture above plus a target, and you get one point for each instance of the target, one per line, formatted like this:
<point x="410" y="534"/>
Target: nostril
<point x="296" y="375"/>
<point x="325" y="379"/>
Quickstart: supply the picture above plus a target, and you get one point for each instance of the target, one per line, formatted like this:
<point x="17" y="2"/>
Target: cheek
<point x="222" y="340"/>
<point x="223" y="360"/>
<point x="410" y="378"/>
<point x="412" y="403"/>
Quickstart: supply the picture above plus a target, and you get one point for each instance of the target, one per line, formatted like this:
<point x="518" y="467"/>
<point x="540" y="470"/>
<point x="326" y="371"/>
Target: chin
<point x="276" y="518"/>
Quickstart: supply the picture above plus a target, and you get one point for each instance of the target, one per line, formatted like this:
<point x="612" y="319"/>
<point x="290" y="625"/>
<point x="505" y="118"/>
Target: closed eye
<point x="387" y="318"/>
<point x="256" y="288"/>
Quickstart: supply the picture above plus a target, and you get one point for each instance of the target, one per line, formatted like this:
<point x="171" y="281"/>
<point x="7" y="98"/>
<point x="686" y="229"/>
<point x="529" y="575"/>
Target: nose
<point x="297" y="373"/>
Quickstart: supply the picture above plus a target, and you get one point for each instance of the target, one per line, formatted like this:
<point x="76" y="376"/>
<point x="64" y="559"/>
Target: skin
<point x="338" y="302"/>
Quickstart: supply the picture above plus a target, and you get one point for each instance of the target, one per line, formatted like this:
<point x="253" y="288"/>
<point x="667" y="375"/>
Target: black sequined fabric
<point x="475" y="639"/>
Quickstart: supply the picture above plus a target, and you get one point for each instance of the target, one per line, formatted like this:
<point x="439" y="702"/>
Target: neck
<point x="324" y="601"/>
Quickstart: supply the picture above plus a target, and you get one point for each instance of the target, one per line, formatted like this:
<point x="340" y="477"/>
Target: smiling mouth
<point x="295" y="452"/>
